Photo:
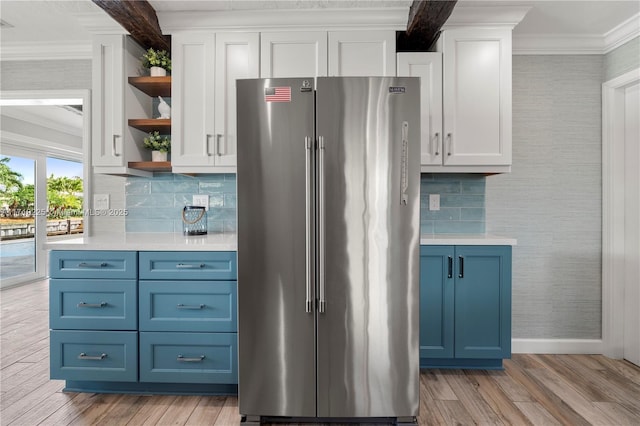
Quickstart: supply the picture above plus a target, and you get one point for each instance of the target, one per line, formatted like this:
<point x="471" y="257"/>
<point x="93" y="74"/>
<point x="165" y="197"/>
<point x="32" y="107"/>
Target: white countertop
<point x="166" y="241"/>
<point x="150" y="241"/>
<point x="466" y="240"/>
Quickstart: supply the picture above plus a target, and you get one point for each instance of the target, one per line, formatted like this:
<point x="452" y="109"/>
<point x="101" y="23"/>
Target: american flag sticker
<point x="277" y="94"/>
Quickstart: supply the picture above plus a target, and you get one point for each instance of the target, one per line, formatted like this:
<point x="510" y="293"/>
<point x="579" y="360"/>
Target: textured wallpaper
<point x="623" y="59"/>
<point x="551" y="202"/>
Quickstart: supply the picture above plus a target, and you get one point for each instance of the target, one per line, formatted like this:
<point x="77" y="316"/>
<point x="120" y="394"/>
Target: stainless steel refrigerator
<point x="328" y="181"/>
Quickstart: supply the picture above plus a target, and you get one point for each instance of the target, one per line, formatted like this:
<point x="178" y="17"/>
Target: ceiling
<point x="50" y="29"/>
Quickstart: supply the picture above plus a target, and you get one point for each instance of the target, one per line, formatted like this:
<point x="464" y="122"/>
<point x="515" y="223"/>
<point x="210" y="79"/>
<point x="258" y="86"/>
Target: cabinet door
<point x="114" y="143"/>
<point x="427" y="66"/>
<point x="362" y="53"/>
<point x="193" y="102"/>
<point x="236" y="57"/>
<point x="436" y="301"/>
<point x="483" y="302"/>
<point x="108" y="100"/>
<point x="477" y="97"/>
<point x="293" y="54"/>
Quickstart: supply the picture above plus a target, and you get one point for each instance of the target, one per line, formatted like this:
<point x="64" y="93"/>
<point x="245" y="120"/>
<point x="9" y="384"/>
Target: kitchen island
<point x="144" y="313"/>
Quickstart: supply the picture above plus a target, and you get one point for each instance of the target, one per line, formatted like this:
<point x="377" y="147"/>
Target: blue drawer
<point x="110" y="356"/>
<point x="188" y="306"/>
<point x="185" y="265"/>
<point x="189" y="357"/>
<point x="93" y="305"/>
<point x="93" y="264"/>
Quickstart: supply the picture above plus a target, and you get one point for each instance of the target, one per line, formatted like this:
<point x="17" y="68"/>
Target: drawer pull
<point x="95" y="358"/>
<point x="183" y="359"/>
<point x="181" y="306"/>
<point x="188" y="266"/>
<point x="92" y="305"/>
<point x="92" y="265"/>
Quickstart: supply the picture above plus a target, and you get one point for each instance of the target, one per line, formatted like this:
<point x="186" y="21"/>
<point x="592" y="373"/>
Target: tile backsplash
<point x="155" y="204"/>
<point x="462" y="203"/>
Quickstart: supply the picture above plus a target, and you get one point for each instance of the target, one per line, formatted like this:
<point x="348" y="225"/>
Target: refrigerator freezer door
<point x="369" y="178"/>
<point x="276" y="333"/>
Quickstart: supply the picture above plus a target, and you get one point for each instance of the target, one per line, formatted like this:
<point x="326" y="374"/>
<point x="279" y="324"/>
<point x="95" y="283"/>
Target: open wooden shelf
<point x="152" y="86"/>
<point x="151" y="166"/>
<point x="162" y="125"/>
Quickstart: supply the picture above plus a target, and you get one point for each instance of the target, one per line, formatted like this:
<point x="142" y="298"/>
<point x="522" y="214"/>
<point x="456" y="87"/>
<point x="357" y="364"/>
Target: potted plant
<point x="158" y="144"/>
<point x="158" y="62"/>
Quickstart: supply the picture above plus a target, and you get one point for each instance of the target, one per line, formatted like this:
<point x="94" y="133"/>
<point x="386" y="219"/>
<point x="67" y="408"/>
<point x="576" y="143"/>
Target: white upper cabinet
<point x="465" y="101"/>
<point x="293" y="54"/>
<point x="427" y="66"/>
<point x="114" y="143"/>
<point x="477" y="97"/>
<point x="362" y="53"/>
<point x="192" y="101"/>
<point x="236" y="58"/>
<point x="205" y="68"/>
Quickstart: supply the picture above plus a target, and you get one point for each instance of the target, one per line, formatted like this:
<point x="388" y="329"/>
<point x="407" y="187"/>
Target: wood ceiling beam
<point x="426" y="18"/>
<point x="139" y="18"/>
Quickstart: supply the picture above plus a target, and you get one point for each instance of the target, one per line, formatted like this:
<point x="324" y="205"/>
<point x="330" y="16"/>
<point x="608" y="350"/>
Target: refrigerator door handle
<point x="309" y="193"/>
<point x="321" y="225"/>
<point x="404" y="175"/>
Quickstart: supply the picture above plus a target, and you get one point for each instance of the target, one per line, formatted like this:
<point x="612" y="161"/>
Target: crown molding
<point x="626" y="31"/>
<point x="285" y="20"/>
<point x="45" y="51"/>
<point x="486" y="16"/>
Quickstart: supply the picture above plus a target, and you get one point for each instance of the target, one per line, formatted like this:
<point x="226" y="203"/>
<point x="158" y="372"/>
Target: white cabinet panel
<point x="236" y="58"/>
<point x="427" y="66"/>
<point x="114" y="143"/>
<point x="477" y="97"/>
<point x="205" y="69"/>
<point x="362" y="53"/>
<point x="193" y="103"/>
<point x="293" y="54"/>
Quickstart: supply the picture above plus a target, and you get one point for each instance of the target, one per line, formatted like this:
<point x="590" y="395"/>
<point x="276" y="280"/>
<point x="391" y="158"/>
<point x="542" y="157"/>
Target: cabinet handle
<point x="197" y="359"/>
<point x="437" y="141"/>
<point x="92" y="265"/>
<point x="218" y="144"/>
<point x="450" y="273"/>
<point x="94" y="358"/>
<point x="113" y="146"/>
<point x="206" y="144"/>
<point x="92" y="305"/>
<point x="187" y="266"/>
<point x="461" y="271"/>
<point x="181" y="306"/>
<point x="450" y="138"/>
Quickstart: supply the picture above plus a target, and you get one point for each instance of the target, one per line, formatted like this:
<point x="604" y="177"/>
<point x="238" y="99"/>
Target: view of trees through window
<point x="17" y="197"/>
<point x="21" y="238"/>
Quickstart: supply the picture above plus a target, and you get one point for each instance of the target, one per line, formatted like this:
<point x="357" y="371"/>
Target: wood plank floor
<point x="532" y="390"/>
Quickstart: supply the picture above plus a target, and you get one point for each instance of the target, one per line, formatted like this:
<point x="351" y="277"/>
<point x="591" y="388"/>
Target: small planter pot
<point x="157" y="72"/>
<point x="158" y="156"/>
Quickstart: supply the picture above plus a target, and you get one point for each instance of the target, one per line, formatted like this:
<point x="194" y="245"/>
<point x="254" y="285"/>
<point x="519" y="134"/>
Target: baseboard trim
<point x="557" y="346"/>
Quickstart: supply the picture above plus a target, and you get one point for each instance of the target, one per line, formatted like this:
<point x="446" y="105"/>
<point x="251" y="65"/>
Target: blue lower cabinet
<point x="188" y="357"/>
<point x="98" y="305"/>
<point x="465" y="306"/>
<point x="94" y="355"/>
<point x="196" y="306"/>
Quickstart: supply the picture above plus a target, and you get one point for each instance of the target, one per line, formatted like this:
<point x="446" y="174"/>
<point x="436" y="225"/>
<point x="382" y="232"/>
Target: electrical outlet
<point x="434" y="202"/>
<point x="201" y="200"/>
<point x="101" y="201"/>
